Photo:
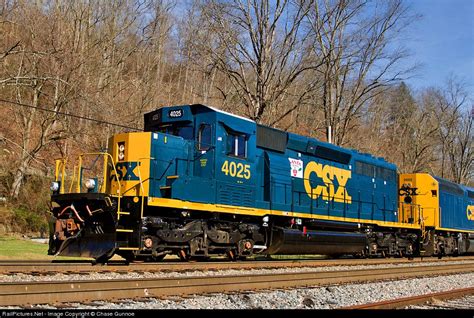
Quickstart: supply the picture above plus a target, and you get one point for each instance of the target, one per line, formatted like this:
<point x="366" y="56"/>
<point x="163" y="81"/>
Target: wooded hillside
<point x="298" y="65"/>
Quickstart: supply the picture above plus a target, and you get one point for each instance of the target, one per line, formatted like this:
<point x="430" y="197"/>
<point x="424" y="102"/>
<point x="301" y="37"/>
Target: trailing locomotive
<point x="200" y="182"/>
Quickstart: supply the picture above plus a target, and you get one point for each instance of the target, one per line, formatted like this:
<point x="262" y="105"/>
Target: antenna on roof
<point x="329" y="134"/>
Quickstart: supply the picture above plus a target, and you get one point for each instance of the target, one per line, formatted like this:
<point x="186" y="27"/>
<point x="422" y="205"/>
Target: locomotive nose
<point x="83" y="225"/>
<point x="96" y="239"/>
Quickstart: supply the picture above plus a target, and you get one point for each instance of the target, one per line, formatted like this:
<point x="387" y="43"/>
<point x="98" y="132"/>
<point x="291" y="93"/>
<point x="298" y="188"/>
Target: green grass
<point x="14" y="248"/>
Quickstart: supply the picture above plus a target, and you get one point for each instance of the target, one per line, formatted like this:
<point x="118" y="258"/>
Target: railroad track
<point x="434" y="300"/>
<point x="30" y="293"/>
<point x="48" y="267"/>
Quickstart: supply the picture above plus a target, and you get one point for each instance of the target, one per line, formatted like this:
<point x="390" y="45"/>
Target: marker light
<point x="90" y="184"/>
<point x="121" y="151"/>
<point x="54" y="186"/>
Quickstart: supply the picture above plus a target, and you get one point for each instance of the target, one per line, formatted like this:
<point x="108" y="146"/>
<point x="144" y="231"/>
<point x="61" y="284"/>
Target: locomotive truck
<point x="200" y="182"/>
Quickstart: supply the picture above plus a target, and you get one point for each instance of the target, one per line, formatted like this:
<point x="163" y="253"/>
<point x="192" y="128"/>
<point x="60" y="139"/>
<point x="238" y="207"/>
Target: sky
<point x="443" y="42"/>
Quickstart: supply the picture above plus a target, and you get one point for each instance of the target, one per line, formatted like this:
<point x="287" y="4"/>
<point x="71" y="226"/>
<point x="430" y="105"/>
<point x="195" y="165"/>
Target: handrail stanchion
<point x="79" y="175"/>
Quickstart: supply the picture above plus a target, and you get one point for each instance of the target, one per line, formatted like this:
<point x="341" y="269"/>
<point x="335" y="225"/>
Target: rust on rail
<point x="49" y="292"/>
<point x="47" y="267"/>
<point x="414" y="300"/>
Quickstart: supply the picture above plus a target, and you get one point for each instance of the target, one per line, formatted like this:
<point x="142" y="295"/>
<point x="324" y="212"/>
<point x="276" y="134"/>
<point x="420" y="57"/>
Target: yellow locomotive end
<point x="132" y="157"/>
<point x="419" y="199"/>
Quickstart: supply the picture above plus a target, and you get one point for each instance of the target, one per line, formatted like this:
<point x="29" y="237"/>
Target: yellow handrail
<point x="73" y="178"/>
<point x="106" y="156"/>
<point x="142" y="190"/>
<point x="61" y="164"/>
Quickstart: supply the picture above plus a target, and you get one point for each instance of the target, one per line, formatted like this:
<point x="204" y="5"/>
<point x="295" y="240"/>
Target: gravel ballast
<point x="22" y="277"/>
<point x="327" y="297"/>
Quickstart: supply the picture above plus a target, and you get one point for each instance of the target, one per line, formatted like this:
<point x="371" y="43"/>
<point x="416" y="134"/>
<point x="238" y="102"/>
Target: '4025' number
<point x="238" y="170"/>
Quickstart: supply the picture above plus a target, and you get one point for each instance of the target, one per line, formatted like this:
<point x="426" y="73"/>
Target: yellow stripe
<point x="179" y="204"/>
<point x="125" y="231"/>
<point x="129" y="248"/>
<point x="453" y="230"/>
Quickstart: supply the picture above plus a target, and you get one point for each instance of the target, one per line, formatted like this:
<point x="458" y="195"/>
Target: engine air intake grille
<point x="271" y="138"/>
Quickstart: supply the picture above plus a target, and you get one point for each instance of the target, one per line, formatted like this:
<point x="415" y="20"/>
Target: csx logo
<point x="470" y="212"/>
<point x="125" y="171"/>
<point x="328" y="174"/>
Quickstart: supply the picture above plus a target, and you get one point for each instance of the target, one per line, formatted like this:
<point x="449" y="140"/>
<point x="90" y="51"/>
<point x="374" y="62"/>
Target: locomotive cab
<point x="143" y="174"/>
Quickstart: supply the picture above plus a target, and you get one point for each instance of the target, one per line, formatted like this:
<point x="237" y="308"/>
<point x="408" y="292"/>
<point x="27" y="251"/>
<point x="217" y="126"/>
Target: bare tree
<point x="446" y="104"/>
<point x="461" y="152"/>
<point x="352" y="37"/>
<point x="34" y="75"/>
<point x="259" y="46"/>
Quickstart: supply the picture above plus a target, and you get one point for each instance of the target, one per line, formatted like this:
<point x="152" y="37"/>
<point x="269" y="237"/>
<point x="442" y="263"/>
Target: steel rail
<point x="12" y="267"/>
<point x="414" y="300"/>
<point x="22" y="294"/>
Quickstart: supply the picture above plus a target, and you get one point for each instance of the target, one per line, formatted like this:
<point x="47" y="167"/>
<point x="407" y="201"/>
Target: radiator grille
<point x="235" y="195"/>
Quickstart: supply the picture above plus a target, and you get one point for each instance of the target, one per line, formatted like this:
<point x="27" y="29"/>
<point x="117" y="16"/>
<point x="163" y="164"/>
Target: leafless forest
<point x="297" y="65"/>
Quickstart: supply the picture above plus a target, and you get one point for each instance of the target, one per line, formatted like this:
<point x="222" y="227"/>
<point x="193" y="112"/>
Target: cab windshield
<point x="182" y="131"/>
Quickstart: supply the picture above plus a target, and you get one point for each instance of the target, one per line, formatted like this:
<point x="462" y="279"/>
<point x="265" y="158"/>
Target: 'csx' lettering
<point x="327" y="174"/>
<point x="470" y="212"/>
<point x="125" y="171"/>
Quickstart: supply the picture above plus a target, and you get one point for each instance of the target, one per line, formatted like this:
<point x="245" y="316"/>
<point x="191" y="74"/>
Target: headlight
<point x="121" y="150"/>
<point x="90" y="184"/>
<point x="54" y="186"/>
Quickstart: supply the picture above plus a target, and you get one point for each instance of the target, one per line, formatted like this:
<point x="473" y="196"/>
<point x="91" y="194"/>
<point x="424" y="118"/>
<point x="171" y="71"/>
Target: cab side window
<point x="237" y="145"/>
<point x="204" y="137"/>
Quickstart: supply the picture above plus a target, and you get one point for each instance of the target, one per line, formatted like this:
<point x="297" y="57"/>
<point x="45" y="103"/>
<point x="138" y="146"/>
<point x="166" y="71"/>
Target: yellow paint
<point x="426" y="202"/>
<point x="137" y="150"/>
<point x="237" y="170"/>
<point x="222" y="208"/>
<point x="327" y="173"/>
<point x="103" y="188"/>
<point x="56" y="170"/>
<point x="470" y="212"/>
<point x="453" y="230"/>
<point x="60" y="173"/>
<point x="124" y="231"/>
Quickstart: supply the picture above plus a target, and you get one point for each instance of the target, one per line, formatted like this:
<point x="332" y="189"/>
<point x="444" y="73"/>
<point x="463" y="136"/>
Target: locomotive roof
<point x="292" y="136"/>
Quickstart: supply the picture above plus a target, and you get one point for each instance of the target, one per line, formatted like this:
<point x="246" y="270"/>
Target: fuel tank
<point x="294" y="241"/>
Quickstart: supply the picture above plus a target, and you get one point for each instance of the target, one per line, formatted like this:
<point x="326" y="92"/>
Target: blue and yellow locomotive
<point x="200" y="182"/>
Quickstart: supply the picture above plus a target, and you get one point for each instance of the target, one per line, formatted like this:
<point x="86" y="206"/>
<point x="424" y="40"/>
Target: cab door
<point x="204" y="152"/>
<point x="235" y="167"/>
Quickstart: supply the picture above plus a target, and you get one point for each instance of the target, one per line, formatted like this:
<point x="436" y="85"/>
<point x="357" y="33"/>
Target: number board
<point x="236" y="170"/>
<point x="175" y="113"/>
